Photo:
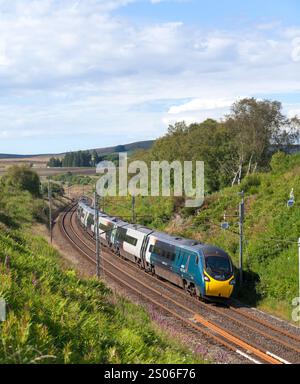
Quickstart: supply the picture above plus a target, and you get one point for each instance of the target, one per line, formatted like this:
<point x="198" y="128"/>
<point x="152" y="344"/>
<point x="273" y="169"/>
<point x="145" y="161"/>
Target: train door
<point x="113" y="235"/>
<point x="177" y="260"/>
<point x="143" y="252"/>
<point x="90" y="222"/>
<point x="184" y="261"/>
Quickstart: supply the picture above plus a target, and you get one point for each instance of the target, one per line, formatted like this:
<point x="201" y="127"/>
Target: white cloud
<point x="201" y="104"/>
<point x="78" y="68"/>
<point x="296" y="49"/>
<point x="4" y="61"/>
<point x="269" y="25"/>
<point x="293" y="110"/>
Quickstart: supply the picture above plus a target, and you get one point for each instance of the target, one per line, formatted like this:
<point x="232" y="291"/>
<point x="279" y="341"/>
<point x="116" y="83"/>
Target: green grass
<point x="53" y="316"/>
<point x="71" y="179"/>
<point x="271" y="230"/>
<point x="154" y="212"/>
<point x="271" y="233"/>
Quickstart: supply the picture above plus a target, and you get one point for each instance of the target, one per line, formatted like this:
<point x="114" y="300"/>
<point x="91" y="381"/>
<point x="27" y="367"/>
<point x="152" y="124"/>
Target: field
<point x="41" y="169"/>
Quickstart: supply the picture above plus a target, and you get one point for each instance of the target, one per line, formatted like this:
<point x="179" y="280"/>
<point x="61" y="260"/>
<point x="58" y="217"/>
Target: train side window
<point x="130" y="240"/>
<point x="151" y="248"/>
<point x="197" y="260"/>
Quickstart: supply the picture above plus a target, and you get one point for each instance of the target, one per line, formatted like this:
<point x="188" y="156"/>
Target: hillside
<point x="53" y="316"/>
<point x="271" y="233"/>
<point x="271" y="229"/>
<point x="126" y="147"/>
<point x="104" y="151"/>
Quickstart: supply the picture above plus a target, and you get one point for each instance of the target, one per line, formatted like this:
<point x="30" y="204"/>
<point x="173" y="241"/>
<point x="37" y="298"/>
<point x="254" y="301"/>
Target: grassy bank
<point x="53" y="316"/>
<point x="271" y="233"/>
<point x="271" y="230"/>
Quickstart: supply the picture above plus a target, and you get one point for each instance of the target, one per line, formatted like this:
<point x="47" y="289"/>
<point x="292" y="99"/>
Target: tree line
<point x="84" y="158"/>
<point x="239" y="145"/>
<point x="76" y="159"/>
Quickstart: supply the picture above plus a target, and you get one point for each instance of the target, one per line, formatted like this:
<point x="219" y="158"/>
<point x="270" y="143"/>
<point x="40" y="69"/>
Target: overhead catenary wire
<point x="206" y="220"/>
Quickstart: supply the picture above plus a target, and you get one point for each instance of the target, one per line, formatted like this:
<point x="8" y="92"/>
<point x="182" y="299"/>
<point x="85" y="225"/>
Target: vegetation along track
<point x="253" y="338"/>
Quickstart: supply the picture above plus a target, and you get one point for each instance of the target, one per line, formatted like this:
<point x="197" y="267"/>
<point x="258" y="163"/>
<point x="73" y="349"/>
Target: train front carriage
<point x="218" y="273"/>
<point x="202" y="270"/>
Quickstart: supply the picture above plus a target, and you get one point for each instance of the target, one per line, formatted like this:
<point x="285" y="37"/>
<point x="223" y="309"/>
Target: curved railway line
<point x="249" y="336"/>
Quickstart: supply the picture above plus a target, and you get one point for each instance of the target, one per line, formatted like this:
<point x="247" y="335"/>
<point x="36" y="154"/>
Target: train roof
<point x="86" y="207"/>
<point x="177" y="240"/>
<point x="91" y="210"/>
<point x="188" y="244"/>
<point x="140" y="228"/>
<point x="211" y="250"/>
<point x="121" y="223"/>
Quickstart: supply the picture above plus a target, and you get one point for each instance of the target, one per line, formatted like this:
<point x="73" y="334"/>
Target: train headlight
<point x="232" y="282"/>
<point x="206" y="278"/>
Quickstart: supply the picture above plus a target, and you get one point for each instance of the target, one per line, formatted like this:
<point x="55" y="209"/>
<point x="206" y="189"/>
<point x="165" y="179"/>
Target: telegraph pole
<point x="97" y="235"/>
<point x="241" y="225"/>
<point x="299" y="270"/>
<point x="225" y="225"/>
<point x="133" y="210"/>
<point x="290" y="204"/>
<point x="50" y="208"/>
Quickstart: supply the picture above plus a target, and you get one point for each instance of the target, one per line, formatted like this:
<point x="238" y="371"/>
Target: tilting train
<point x="202" y="270"/>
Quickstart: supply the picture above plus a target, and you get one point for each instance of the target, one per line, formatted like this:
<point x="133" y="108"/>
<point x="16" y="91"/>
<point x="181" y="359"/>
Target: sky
<point x="94" y="73"/>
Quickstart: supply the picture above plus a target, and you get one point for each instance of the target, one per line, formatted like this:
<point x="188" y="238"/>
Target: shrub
<point x="250" y="181"/>
<point x="23" y="178"/>
<point x="55" y="317"/>
<point x="279" y="162"/>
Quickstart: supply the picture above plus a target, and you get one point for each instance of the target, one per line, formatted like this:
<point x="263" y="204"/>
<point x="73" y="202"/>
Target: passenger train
<point x="204" y="271"/>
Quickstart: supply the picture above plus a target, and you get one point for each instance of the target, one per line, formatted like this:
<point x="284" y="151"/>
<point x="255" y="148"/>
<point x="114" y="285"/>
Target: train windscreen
<point x="218" y="267"/>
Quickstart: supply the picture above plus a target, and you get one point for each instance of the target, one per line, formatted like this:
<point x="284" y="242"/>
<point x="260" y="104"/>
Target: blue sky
<point x="94" y="73"/>
<point x="214" y="13"/>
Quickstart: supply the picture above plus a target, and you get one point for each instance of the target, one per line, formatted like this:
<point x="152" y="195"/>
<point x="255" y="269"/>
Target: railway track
<point x="185" y="309"/>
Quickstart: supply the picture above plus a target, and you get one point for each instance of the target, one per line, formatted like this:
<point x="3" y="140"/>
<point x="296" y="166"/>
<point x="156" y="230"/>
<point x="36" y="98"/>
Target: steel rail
<point x="265" y="356"/>
<point x="220" y="312"/>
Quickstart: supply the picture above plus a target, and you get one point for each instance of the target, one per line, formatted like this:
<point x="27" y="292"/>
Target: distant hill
<point x="11" y="156"/>
<point x="126" y="147"/>
<point x="106" y="150"/>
